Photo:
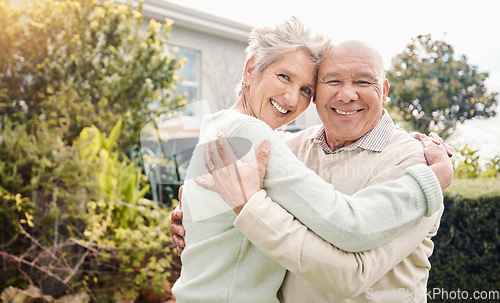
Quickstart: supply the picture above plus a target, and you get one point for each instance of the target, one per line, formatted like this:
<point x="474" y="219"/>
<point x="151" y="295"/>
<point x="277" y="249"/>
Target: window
<point x="191" y="74"/>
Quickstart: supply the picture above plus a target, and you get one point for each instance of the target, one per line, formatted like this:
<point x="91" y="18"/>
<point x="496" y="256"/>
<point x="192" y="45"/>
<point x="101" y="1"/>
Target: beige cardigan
<point x="319" y="272"/>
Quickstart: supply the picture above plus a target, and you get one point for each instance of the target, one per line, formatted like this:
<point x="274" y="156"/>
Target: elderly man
<point x="357" y="146"/>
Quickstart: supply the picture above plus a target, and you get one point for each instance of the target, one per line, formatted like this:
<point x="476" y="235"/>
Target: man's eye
<point x="332" y="82"/>
<point x="362" y="82"/>
<point x="284" y="76"/>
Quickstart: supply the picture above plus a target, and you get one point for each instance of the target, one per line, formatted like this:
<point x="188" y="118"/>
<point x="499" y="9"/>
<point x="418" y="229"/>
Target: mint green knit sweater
<point x="221" y="265"/>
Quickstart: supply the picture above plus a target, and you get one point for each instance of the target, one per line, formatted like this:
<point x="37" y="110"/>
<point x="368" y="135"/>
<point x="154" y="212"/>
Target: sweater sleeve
<point x="283" y="238"/>
<point x="360" y="222"/>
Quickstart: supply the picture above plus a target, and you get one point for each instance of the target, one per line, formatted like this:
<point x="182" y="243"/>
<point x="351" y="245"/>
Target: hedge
<point x="466" y="256"/>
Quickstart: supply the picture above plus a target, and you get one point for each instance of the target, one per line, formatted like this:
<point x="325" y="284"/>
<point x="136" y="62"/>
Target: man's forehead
<point x="351" y="67"/>
<point x="345" y="57"/>
<point x="352" y="64"/>
<point x="358" y="74"/>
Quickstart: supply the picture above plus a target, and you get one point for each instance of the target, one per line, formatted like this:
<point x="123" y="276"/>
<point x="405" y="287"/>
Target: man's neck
<point x="336" y="144"/>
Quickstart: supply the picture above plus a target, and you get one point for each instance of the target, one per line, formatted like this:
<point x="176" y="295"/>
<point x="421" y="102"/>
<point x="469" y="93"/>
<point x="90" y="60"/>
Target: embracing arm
<point x="353" y="223"/>
<point x="283" y="238"/>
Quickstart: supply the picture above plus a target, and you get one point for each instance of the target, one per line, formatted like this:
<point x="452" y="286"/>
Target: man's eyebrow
<point x="330" y="75"/>
<point x="369" y="76"/>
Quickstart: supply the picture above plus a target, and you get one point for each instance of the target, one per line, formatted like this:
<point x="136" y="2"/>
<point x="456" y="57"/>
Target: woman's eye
<point x="284" y="76"/>
<point x="307" y="90"/>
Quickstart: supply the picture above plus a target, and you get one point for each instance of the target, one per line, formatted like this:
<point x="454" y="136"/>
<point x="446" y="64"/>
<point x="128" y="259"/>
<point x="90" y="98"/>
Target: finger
<point x="179" y="250"/>
<point x="177" y="215"/>
<point x="226" y="150"/>
<point x="449" y="150"/>
<point x="176" y="229"/>
<point x="205" y="183"/>
<point x="416" y="135"/>
<point x="435" y="141"/>
<point x="426" y="141"/>
<point x="436" y="136"/>
<point x="262" y="156"/>
<point x="178" y="241"/>
<point x="214" y="153"/>
<point x="179" y="196"/>
<point x="420" y="136"/>
<point x="209" y="164"/>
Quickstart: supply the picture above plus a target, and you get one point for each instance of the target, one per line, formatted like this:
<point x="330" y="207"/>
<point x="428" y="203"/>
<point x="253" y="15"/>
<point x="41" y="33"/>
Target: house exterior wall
<point x="221" y="63"/>
<point x="221" y="44"/>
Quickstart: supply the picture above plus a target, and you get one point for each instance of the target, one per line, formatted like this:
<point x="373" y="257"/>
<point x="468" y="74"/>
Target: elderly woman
<point x="219" y="262"/>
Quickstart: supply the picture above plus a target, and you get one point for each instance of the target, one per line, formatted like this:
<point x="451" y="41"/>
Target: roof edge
<point x="196" y="20"/>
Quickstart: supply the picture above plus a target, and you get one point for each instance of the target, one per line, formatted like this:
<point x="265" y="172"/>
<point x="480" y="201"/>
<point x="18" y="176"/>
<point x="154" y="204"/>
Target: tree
<point x="80" y="63"/>
<point x="433" y="91"/>
<point x="78" y="80"/>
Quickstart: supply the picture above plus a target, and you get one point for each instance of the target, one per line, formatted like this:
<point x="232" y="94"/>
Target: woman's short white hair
<point x="267" y="44"/>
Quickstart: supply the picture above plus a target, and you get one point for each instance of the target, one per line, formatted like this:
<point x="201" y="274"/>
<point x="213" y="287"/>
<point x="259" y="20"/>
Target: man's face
<point x="350" y="93"/>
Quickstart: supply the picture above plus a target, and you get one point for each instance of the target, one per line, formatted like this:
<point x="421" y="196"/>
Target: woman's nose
<point x="292" y="97"/>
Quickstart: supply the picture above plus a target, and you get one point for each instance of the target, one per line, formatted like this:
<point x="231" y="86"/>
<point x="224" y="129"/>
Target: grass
<point x="474" y="188"/>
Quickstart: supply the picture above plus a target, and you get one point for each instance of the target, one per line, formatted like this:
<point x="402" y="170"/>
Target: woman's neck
<point x="243" y="106"/>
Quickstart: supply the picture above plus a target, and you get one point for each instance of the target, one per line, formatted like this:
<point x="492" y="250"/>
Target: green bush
<point x="467" y="246"/>
<point x="467" y="164"/>
<point x="78" y="80"/>
<point x="66" y="237"/>
<point x="77" y="63"/>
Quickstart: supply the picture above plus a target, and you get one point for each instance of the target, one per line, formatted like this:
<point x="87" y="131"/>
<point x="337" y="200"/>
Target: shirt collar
<point x="375" y="139"/>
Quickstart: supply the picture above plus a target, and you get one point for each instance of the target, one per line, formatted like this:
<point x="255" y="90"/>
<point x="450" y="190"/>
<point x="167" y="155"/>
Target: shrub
<point x="78" y="79"/>
<point x="82" y="216"/>
<point x="467" y="164"/>
<point x="467" y="251"/>
<point x="77" y="63"/>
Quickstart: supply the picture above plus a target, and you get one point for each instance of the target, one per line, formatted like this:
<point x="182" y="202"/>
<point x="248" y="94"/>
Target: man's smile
<point x="346" y="113"/>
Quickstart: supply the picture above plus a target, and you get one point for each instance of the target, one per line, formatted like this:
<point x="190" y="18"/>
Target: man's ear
<point x="249" y="70"/>
<point x="385" y="92"/>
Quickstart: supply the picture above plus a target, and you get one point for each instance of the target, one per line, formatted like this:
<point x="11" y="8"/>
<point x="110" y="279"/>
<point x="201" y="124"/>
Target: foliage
<point x="72" y="205"/>
<point x="76" y="63"/>
<point x="467" y="165"/>
<point x="467" y="246"/>
<point x="433" y="91"/>
<point x="65" y="233"/>
<point x="39" y="176"/>
<point x="132" y="231"/>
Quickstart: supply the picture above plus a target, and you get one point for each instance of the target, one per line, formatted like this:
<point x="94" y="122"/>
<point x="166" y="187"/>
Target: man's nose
<point x="347" y="93"/>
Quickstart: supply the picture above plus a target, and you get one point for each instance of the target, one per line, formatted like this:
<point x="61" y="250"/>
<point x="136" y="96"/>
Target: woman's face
<point x="282" y="91"/>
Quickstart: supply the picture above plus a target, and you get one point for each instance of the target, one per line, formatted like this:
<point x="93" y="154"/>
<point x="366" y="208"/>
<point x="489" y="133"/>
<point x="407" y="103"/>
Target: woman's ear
<point x="249" y="70"/>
